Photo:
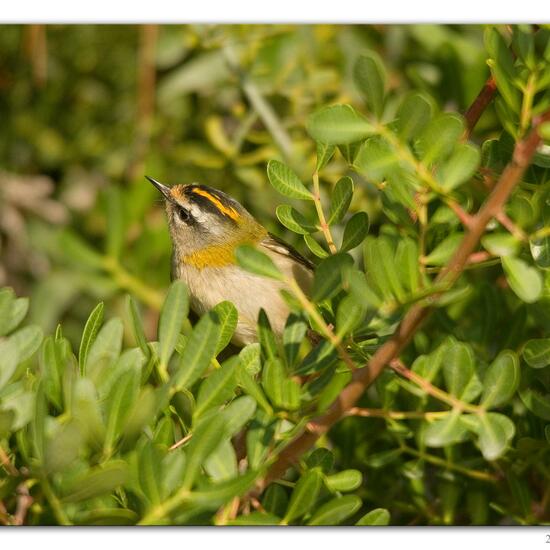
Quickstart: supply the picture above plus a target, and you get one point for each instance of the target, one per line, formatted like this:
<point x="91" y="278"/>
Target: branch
<point x="474" y="112"/>
<point x="390" y="350"/>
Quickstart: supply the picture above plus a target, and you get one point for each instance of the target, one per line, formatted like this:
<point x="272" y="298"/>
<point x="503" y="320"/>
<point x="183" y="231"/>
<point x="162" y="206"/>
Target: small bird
<point x="206" y="226"/>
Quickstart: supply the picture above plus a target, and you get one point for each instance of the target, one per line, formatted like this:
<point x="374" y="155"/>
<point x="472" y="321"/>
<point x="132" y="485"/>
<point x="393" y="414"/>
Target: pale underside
<point x="249" y="292"/>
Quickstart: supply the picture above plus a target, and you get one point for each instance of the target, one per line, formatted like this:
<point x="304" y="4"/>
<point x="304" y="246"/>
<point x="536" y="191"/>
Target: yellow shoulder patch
<point x="211" y="256"/>
<point x="227" y="210"/>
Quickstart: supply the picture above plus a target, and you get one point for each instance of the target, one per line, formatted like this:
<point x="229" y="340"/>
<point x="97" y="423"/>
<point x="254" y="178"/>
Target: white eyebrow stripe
<point x="198" y="213"/>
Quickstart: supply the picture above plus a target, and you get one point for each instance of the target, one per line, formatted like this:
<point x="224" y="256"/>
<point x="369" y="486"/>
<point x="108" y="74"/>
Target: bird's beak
<point x="164" y="189"/>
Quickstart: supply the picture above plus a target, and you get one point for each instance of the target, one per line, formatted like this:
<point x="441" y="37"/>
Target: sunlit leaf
<point x="286" y="182"/>
<point x="338" y="124"/>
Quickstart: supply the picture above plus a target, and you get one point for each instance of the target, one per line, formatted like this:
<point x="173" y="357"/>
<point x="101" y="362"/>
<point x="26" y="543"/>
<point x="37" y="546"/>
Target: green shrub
<point x="427" y="398"/>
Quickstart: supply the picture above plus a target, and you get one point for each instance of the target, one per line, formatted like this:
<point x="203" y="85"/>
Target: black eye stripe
<point x="206" y="204"/>
<point x="184" y="215"/>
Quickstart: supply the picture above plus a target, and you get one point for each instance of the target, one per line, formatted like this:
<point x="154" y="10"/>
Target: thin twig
<point x="363" y="377"/>
<point x="325" y="228"/>
<point x="325" y="329"/>
<point x="475" y="474"/>
<point x="6" y="462"/>
<point x="181" y="442"/>
<point x="434" y="391"/>
<point x="480" y="103"/>
<point x="395" y="415"/>
<point x="24" y="502"/>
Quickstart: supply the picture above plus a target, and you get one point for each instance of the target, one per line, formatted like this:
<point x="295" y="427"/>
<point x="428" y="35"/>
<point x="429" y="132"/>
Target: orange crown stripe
<point x="227" y="210"/>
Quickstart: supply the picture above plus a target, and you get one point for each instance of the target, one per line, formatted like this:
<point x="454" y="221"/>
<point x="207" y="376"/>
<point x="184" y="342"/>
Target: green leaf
<point x="360" y="289"/>
<point x="266" y="336"/>
<point x="321" y="357"/>
<point x="321" y="457"/>
<point x="255" y="519"/>
<point x="389" y="268"/>
<point x="238" y="413"/>
<point x="137" y="326"/>
<point x="63" y="448"/>
<point x="460" y="167"/>
<point x="205" y="440"/>
<point x="349" y="315"/>
<point x="275" y="500"/>
<point x="286" y="182"/>
<point x="217" y="388"/>
<point x="355" y="231"/>
<point x="108" y="343"/>
<point x="222" y="463"/>
<point x="85" y="409"/>
<point x="446" y="431"/>
<point x="407" y="258"/>
<point x="293" y="220"/>
<point x="502" y="67"/>
<point x="251" y="259"/>
<point x="340" y="200"/>
<point x="7" y="300"/>
<point x="376" y="159"/>
<point x="252" y="388"/>
<point x="27" y="340"/>
<point x="378" y="516"/>
<point x="524" y="280"/>
<point x="458" y="370"/>
<point x="304" y="495"/>
<point x="324" y="154"/>
<point x="258" y="439"/>
<point x="540" y="251"/>
<point x="227" y="318"/>
<point x="143" y="410"/>
<point x="315" y="247"/>
<point x="413" y="116"/>
<point x="536" y="353"/>
<point x="213" y="496"/>
<point x="500" y="244"/>
<point x="89" y="334"/>
<point x="120" y="400"/>
<point x="494" y="433"/>
<point x="96" y="481"/>
<point x="283" y="392"/>
<point x="293" y="335"/>
<point x="14" y="313"/>
<point x="501" y="380"/>
<point x="174" y="312"/>
<point x="344" y="481"/>
<point x="250" y="358"/>
<point x="328" y="276"/>
<point x="199" y="351"/>
<point x="536" y="401"/>
<point x="440" y="137"/>
<point x="336" y="511"/>
<point x="370" y="78"/>
<point x="445" y="250"/>
<point x="338" y="124"/>
<point x="8" y="361"/>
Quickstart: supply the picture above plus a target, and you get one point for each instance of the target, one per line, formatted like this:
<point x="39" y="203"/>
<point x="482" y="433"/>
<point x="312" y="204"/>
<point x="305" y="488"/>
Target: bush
<point x="429" y="386"/>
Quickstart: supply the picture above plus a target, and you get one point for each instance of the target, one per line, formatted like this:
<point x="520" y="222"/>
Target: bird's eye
<point x="183" y="214"/>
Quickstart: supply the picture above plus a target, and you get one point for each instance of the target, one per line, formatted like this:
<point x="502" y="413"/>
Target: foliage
<point x="119" y="418"/>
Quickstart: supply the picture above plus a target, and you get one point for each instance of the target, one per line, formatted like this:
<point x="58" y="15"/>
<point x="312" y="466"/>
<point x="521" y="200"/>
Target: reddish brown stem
<point x="363" y="377"/>
<point x="474" y="112"/>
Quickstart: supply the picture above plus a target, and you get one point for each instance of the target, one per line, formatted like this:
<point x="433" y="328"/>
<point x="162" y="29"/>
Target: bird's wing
<point x="277" y="245"/>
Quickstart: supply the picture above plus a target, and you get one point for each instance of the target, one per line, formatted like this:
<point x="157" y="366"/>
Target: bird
<point x="206" y="226"/>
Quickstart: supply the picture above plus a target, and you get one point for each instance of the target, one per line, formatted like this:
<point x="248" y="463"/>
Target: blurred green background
<point x="88" y="110"/>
